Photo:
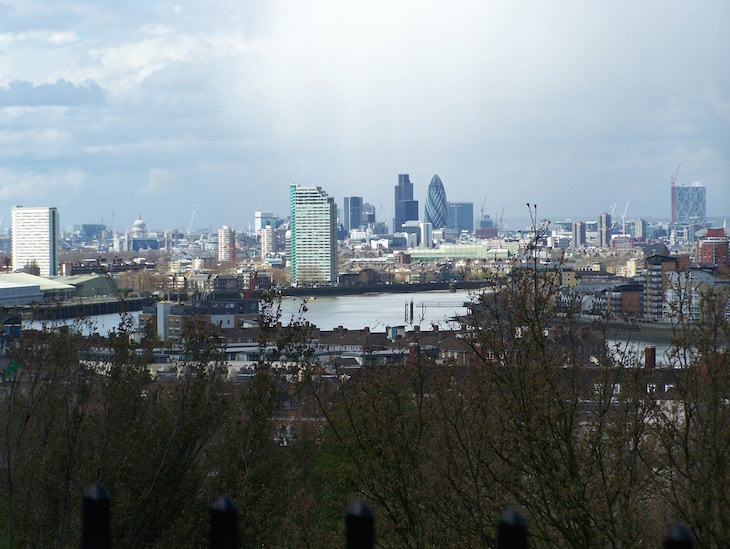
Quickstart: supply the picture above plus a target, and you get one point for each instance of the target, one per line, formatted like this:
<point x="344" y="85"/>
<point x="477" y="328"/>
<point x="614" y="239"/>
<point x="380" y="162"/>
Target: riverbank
<point x="361" y="289"/>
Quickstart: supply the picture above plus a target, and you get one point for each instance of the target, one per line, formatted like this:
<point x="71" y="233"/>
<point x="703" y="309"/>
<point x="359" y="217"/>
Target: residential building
<point x="461" y="216"/>
<point x="426" y="234"/>
<point x="579" y="234"/>
<point x="604" y="230"/>
<point x="640" y="229"/>
<point x="436" y="205"/>
<point x="406" y="209"/>
<point x="269" y="241"/>
<point x="712" y="247"/>
<point x="658" y="268"/>
<point x="313" y="240"/>
<point x="34" y="236"/>
<point x="226" y="244"/>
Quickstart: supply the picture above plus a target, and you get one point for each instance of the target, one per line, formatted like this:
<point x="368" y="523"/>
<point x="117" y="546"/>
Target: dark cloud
<point x="61" y="93"/>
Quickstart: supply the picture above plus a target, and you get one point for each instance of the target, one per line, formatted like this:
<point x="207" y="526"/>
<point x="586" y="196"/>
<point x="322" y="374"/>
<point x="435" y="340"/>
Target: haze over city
<point x="165" y="107"/>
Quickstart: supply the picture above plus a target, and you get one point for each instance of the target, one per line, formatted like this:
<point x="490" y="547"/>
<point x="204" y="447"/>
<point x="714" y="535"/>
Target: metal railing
<point x="512" y="529"/>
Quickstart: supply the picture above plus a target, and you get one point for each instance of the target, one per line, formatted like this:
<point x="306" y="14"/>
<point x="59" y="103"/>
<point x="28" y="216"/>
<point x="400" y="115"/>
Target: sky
<point x="164" y="108"/>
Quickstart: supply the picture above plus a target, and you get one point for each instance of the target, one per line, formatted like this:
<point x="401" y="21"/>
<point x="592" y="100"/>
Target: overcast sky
<point x="114" y="108"/>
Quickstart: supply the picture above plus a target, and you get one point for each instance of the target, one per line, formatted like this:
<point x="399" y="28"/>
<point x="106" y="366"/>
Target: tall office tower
<point x="461" y="216"/>
<point x="261" y="219"/>
<point x="353" y="212"/>
<point x="579" y="234"/>
<point x="604" y="230"/>
<point x="406" y="209"/>
<point x="226" y="244"/>
<point x="436" y="211"/>
<point x="313" y="240"/>
<point x="35" y="239"/>
<point x="368" y="214"/>
<point x="426" y="234"/>
<point x="690" y="204"/>
<point x="268" y="241"/>
<point x="640" y="229"/>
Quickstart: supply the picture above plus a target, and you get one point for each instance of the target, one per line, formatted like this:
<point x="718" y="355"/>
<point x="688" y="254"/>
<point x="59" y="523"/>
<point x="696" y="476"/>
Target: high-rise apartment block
<point x="461" y="216"/>
<point x="604" y="230"/>
<point x="406" y="209"/>
<point x="712" y="248"/>
<point x="640" y="228"/>
<point x="353" y="212"/>
<point x="313" y="240"/>
<point x="690" y="204"/>
<point x="268" y="241"/>
<point x="35" y="239"/>
<point x="436" y="206"/>
<point x="226" y="244"/>
<point x="579" y="234"/>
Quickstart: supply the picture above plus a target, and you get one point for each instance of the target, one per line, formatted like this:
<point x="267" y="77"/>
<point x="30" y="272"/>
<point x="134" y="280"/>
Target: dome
<point x="437" y="211"/>
<point x="139" y="229"/>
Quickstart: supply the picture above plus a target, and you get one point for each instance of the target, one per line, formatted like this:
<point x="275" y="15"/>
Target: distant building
<point x="261" y="219"/>
<point x="579" y="234"/>
<point x="436" y="205"/>
<point x="690" y="204"/>
<point x="461" y="216"/>
<point x="313" y="240"/>
<point x="226" y="244"/>
<point x="353" y="212"/>
<point x="657" y="281"/>
<point x="269" y="241"/>
<point x="406" y="209"/>
<point x="426" y="234"/>
<point x="35" y="239"/>
<point x="604" y="230"/>
<point x="640" y="229"/>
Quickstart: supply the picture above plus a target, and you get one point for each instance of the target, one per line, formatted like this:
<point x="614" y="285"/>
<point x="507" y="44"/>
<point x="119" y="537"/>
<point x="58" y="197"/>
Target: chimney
<point x="650" y="357"/>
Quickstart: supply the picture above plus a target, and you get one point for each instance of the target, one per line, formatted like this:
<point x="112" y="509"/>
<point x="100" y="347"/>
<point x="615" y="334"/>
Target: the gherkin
<point x="437" y="212"/>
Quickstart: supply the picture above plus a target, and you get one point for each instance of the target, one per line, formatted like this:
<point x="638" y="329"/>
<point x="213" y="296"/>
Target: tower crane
<point x="190" y="227"/>
<point x="674" y="180"/>
<point x="623" y="220"/>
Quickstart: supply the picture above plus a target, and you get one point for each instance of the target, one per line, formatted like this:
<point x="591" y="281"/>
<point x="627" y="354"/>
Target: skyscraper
<point x="461" y="216"/>
<point x="35" y="239"/>
<point x="690" y="204"/>
<point x="406" y="209"/>
<point x="226" y="244"/>
<point x="353" y="212"/>
<point x="313" y="240"/>
<point x="579" y="234"/>
<point x="436" y="209"/>
<point x="604" y="230"/>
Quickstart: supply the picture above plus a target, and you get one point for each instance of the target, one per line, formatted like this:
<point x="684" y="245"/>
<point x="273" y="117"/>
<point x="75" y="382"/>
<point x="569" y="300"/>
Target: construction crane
<point x="484" y="203"/>
<point x="613" y="208"/>
<point x="674" y="180"/>
<point x="623" y="219"/>
<point x="190" y="227"/>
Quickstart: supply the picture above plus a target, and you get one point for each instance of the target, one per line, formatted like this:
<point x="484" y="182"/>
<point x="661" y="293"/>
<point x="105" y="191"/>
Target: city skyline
<point x="572" y="107"/>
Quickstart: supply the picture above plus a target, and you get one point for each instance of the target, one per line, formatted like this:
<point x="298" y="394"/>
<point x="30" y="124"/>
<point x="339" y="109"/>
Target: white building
<point x="35" y="239"/>
<point x="226" y="244"/>
<point x="268" y="241"/>
<point x="313" y="241"/>
<point x="261" y="219"/>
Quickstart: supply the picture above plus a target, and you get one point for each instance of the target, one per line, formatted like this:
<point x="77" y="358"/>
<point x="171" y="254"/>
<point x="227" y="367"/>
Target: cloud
<point x="60" y="93"/>
<point x="56" y="186"/>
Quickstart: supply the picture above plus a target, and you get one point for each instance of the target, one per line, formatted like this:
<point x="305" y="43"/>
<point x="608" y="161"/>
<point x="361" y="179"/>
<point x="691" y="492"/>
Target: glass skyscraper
<point x="406" y="209"/>
<point x="436" y="206"/>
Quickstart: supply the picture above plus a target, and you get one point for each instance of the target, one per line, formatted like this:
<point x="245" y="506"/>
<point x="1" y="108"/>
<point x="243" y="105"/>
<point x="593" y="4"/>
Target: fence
<point x="512" y="531"/>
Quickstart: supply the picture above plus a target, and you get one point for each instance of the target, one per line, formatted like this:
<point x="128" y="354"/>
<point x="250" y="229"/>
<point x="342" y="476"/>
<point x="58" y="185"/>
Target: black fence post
<point x="678" y="537"/>
<point x="223" y="524"/>
<point x="96" y="532"/>
<point x="359" y="526"/>
<point x="511" y="530"/>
